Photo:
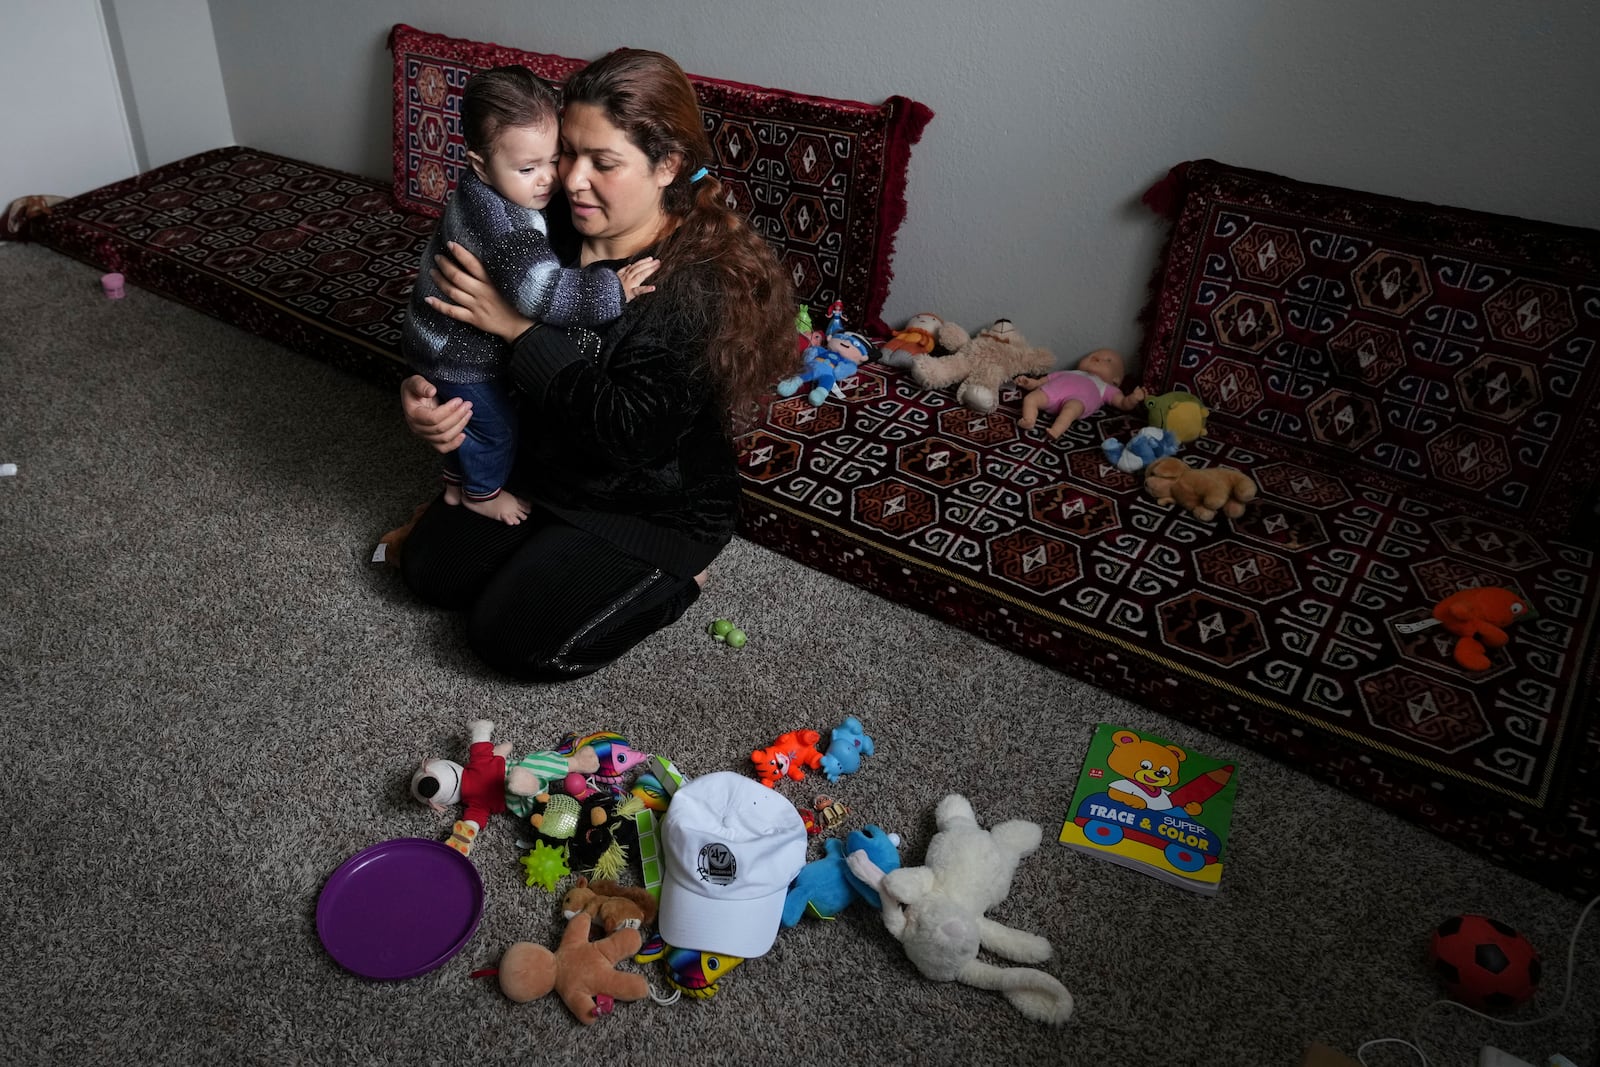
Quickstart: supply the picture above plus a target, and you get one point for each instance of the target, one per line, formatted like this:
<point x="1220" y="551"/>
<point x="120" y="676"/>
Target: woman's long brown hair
<point x="752" y="318"/>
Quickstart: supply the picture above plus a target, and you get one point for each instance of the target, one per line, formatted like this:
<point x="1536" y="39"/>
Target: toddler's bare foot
<point x="701" y="578"/>
<point x="452" y="493"/>
<point x="1026" y="422"/>
<point x="505" y="507"/>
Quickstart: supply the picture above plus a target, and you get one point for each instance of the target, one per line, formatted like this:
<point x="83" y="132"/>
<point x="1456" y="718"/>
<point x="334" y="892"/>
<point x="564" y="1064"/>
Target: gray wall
<point x="1052" y="116"/>
<point x="166" y="61"/>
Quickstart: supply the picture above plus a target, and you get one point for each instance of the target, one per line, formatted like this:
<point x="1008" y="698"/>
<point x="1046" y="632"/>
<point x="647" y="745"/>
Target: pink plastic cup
<point x="112" y="284"/>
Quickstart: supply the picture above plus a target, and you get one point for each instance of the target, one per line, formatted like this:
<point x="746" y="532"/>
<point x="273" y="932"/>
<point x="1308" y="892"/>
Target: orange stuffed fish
<point x="1478" y="617"/>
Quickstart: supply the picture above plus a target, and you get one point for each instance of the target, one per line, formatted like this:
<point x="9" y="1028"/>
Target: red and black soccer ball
<point x="1484" y="964"/>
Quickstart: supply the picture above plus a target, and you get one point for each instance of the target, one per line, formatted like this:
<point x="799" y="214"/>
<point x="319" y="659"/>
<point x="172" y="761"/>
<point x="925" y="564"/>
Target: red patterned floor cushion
<point x="316" y="259"/>
<point x="822" y="179"/>
<point x="1294" y="628"/>
<point x="1437" y="347"/>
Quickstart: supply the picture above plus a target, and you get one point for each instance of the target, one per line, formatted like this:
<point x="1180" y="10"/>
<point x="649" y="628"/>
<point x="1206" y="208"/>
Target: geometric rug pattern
<point x="822" y="179"/>
<point x="1281" y="630"/>
<point x="1291" y="629"/>
<point x="316" y="259"/>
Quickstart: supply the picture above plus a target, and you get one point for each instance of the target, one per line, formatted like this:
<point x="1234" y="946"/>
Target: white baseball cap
<point x="731" y="847"/>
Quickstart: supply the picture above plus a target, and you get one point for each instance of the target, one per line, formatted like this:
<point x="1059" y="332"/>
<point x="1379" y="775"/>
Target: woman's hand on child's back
<point x="633" y="277"/>
<point x="441" y="425"/>
<point x="472" y="297"/>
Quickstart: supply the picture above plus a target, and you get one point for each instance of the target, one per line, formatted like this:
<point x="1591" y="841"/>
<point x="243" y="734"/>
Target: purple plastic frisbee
<point x="399" y="908"/>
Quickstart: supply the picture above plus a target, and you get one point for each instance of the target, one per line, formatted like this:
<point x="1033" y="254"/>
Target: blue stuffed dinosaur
<point x="847" y="745"/>
<point x="826" y="886"/>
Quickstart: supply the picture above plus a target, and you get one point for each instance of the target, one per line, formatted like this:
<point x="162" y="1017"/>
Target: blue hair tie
<point x="697" y="175"/>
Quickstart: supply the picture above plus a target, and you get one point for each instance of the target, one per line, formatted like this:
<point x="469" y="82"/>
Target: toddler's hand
<point x="634" y="274"/>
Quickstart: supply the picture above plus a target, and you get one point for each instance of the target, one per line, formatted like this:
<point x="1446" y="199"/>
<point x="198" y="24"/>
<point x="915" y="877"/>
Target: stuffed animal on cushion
<point x="1203" y="493"/>
<point x="936" y="911"/>
<point x="825" y="365"/>
<point x="1179" y="411"/>
<point x="918" y="338"/>
<point x="1142" y="449"/>
<point x="582" y="972"/>
<point x="980" y="365"/>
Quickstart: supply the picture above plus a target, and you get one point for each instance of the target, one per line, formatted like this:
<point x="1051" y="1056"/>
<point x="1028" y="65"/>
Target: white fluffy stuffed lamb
<point x="936" y="911"/>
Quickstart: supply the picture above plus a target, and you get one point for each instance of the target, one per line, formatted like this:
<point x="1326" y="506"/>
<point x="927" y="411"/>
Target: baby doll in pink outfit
<point x="1095" y="382"/>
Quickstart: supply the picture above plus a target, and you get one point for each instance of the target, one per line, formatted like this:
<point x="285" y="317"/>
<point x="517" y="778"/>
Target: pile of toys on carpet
<point x="720" y="862"/>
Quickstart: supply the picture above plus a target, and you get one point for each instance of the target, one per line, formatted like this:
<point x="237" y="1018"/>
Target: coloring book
<point x="1152" y="806"/>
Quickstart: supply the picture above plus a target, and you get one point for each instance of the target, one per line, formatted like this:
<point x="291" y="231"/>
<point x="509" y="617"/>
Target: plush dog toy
<point x="582" y="972"/>
<point x="846" y="745"/>
<point x="615" y="906"/>
<point x="981" y="364"/>
<point x="1202" y="492"/>
<point x="936" y="911"/>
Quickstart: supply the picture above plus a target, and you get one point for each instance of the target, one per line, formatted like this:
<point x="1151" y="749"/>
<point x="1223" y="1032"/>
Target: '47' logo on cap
<point x="717" y="864"/>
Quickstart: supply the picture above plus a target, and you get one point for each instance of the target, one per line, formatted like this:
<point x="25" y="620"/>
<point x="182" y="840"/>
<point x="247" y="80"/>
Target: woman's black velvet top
<point x="621" y="430"/>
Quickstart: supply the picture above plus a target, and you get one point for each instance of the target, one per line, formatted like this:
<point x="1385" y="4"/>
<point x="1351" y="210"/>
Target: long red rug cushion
<point x="313" y="258"/>
<point x="1290" y="629"/>
<point x="822" y="179"/>
<point x="1439" y="348"/>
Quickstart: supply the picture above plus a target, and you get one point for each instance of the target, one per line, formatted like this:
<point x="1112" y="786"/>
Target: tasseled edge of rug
<point x="1165" y="198"/>
<point x="906" y="123"/>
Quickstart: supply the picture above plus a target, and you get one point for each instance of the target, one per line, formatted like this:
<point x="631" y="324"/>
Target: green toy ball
<point x="545" y="866"/>
<point x="727" y="633"/>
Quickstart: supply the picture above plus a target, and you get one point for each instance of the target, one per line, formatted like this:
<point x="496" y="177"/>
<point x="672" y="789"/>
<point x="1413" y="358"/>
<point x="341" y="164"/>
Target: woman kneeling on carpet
<point x="626" y="453"/>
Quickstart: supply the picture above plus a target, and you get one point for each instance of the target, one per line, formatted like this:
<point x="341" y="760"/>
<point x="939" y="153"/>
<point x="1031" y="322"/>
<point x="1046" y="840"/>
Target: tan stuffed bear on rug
<point x="982" y="364"/>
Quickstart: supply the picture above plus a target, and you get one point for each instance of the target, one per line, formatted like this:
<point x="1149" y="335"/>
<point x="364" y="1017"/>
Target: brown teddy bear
<point x="615" y="906"/>
<point x="582" y="972"/>
<point x="982" y="364"/>
<point x="1203" y="492"/>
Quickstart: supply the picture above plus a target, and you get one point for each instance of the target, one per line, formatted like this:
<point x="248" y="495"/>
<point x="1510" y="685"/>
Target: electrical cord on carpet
<point x="1415" y="1044"/>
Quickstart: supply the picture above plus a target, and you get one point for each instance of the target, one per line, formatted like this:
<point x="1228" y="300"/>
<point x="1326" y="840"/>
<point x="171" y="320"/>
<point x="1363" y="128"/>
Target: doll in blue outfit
<point x="510" y="121"/>
<point x="830" y="358"/>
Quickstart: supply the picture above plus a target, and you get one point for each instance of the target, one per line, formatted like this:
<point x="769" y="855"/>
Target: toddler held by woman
<point x="510" y="121"/>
